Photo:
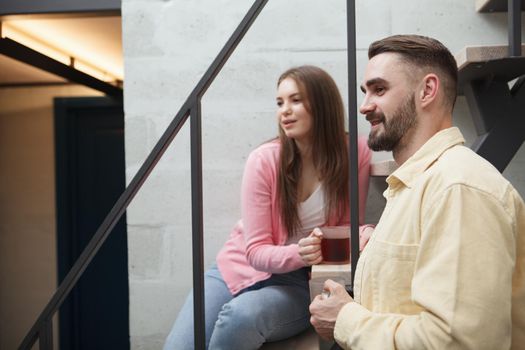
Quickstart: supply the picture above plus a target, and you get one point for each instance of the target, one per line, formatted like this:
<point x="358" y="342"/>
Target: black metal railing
<point x="42" y="328"/>
<point x="514" y="27"/>
<point x="353" y="134"/>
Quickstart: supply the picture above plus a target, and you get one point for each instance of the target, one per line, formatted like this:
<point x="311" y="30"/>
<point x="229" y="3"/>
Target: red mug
<point x="335" y="244"/>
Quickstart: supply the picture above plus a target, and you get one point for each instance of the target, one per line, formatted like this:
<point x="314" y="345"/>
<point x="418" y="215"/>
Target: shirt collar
<point x="424" y="157"/>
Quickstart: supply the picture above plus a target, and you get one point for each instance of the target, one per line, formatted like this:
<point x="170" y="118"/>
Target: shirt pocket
<point x="392" y="270"/>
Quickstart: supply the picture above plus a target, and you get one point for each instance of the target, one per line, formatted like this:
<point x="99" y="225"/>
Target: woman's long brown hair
<point x="329" y="147"/>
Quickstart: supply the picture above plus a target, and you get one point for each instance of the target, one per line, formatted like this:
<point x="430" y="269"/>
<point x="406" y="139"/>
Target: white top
<point x="311" y="214"/>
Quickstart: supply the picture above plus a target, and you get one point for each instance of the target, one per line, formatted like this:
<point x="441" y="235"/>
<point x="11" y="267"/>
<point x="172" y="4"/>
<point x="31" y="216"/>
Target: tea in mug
<point x="335" y="245"/>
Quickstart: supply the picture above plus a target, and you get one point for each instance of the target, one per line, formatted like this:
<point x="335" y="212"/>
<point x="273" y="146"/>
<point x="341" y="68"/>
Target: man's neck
<point x="415" y="138"/>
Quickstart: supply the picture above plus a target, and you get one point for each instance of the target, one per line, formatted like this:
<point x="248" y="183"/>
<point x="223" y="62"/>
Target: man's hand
<point x="324" y="309"/>
<point x="310" y="248"/>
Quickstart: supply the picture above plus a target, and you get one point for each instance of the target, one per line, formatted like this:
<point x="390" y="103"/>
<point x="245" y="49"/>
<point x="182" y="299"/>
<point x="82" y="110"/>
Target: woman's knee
<point x="234" y="316"/>
<point x="237" y="328"/>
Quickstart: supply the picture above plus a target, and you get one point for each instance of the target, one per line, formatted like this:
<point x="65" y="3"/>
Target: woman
<point x="258" y="290"/>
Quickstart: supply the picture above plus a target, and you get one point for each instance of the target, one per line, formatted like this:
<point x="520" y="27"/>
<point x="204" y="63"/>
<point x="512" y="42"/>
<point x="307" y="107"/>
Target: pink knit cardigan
<point x="256" y="246"/>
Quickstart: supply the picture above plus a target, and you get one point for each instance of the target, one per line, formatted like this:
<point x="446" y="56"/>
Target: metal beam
<point x="481" y="96"/>
<point x="34" y="58"/>
<point x="501" y="143"/>
<point x="34" y="84"/>
<point x="37" y="7"/>
<point x="514" y="27"/>
<point x="197" y="226"/>
<point x="353" y="134"/>
<point x="498" y="115"/>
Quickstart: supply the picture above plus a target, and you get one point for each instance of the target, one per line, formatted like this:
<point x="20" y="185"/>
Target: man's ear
<point x="430" y="86"/>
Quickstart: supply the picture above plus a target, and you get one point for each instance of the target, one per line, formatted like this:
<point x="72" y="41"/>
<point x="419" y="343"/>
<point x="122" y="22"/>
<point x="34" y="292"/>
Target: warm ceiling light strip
<point x="27" y="40"/>
<point x="47" y="49"/>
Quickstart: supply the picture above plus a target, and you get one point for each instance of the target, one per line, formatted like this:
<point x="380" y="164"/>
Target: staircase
<point x="492" y="80"/>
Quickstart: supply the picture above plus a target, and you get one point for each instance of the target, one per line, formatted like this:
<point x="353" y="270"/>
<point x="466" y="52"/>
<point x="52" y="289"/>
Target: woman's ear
<point x="430" y="85"/>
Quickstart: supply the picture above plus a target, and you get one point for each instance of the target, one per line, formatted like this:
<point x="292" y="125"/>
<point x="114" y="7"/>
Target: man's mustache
<point x="377" y="117"/>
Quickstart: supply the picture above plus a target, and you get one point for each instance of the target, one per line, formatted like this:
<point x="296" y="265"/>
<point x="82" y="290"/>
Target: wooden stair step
<point x="480" y="62"/>
<point x="477" y="54"/>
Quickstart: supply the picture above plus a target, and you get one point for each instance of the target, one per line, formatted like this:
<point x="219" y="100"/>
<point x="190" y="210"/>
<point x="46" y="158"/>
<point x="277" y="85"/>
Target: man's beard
<point x="402" y="120"/>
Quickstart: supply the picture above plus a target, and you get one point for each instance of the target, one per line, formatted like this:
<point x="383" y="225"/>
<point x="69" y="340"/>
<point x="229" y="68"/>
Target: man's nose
<point x="367" y="107"/>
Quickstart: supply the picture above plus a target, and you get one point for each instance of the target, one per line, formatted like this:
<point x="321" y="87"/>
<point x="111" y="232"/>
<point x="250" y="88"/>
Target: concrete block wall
<point x="168" y="45"/>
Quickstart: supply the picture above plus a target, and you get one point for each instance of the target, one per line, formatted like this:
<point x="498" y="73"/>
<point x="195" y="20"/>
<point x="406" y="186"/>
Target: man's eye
<point x="279" y="103"/>
<point x="380" y="90"/>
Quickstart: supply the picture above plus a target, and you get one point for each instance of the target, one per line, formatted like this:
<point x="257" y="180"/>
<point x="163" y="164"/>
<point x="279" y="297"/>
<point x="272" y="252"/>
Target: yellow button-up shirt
<point x="445" y="267"/>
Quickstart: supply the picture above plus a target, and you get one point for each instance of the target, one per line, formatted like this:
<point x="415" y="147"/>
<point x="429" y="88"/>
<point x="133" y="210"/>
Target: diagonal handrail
<point x="42" y="327"/>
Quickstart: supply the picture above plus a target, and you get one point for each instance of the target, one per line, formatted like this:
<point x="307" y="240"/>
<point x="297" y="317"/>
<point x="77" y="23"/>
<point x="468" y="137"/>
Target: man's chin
<point x="376" y="148"/>
<point x="373" y="145"/>
<point x="374" y="141"/>
<point x="379" y="145"/>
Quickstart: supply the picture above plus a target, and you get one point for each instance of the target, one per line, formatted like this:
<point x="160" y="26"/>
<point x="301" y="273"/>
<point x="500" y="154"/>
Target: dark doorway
<point x="90" y="166"/>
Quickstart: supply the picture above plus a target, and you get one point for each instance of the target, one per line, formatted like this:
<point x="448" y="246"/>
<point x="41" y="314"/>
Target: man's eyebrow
<point x="374" y="81"/>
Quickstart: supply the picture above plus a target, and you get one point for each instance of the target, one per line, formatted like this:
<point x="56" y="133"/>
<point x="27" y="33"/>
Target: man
<point x="445" y="266"/>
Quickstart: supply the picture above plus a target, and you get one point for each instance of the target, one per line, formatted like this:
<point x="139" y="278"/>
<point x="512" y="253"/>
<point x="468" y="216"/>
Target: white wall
<point x="168" y="45"/>
<point x="28" y="262"/>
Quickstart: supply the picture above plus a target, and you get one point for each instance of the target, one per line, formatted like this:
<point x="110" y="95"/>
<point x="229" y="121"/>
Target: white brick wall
<point x="168" y="45"/>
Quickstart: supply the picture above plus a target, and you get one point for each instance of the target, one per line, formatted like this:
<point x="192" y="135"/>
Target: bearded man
<point x="445" y="266"/>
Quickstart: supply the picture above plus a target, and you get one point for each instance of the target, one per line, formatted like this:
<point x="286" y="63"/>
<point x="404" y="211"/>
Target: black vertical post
<point x="46" y="335"/>
<point x="352" y="129"/>
<point x="514" y="27"/>
<point x="197" y="225"/>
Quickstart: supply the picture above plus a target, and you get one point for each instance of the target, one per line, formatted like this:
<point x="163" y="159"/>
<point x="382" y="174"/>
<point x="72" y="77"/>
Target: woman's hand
<point x="364" y="235"/>
<point x="310" y="248"/>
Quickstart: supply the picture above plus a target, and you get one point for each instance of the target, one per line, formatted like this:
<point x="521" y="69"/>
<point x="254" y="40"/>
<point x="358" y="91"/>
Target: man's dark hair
<point x="426" y="53"/>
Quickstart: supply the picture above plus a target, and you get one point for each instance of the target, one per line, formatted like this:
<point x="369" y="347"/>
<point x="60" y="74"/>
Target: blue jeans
<point x="270" y="310"/>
